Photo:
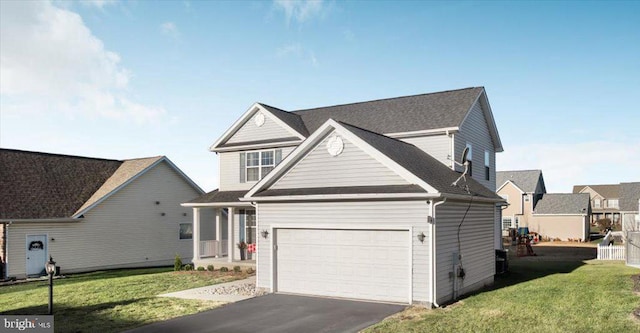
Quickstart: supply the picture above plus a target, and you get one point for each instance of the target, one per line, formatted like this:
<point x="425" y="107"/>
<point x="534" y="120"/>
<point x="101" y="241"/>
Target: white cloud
<point x="170" y="29"/>
<point x="98" y="3"/>
<point x="297" y="51"/>
<point x="300" y="10"/>
<point x="288" y="50"/>
<point x="566" y="164"/>
<point x="51" y="62"/>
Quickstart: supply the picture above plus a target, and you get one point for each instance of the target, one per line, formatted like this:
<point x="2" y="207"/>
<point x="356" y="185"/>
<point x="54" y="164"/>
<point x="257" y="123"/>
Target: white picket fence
<point x="611" y="252"/>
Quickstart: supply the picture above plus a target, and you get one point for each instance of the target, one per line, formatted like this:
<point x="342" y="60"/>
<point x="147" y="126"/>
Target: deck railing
<point x="611" y="252"/>
<point x="214" y="248"/>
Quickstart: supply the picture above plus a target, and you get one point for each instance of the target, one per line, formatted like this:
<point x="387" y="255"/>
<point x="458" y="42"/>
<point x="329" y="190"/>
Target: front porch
<point x="219" y="226"/>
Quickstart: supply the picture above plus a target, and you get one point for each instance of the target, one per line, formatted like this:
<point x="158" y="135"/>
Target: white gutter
<point x="432" y="238"/>
<point x="62" y="219"/>
<point x="366" y="196"/>
<point x="344" y="196"/>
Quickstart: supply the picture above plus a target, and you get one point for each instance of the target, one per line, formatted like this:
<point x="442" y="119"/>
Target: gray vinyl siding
<point x="349" y="215"/>
<point x="475" y="131"/>
<point x="476" y="245"/>
<point x="438" y="146"/>
<point x="229" y="169"/>
<point x="251" y="132"/>
<point x="126" y="230"/>
<point x="353" y="167"/>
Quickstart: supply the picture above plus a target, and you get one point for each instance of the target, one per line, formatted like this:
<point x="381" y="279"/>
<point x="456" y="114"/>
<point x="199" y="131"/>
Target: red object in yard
<point x="251" y="248"/>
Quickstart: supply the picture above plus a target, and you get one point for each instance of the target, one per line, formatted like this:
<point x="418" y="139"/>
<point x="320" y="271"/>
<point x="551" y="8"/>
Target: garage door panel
<point x="364" y="264"/>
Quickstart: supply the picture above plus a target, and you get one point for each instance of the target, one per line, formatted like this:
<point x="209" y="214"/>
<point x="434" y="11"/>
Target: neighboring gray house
<point x="629" y="205"/>
<point x="91" y="213"/>
<point x="357" y="200"/>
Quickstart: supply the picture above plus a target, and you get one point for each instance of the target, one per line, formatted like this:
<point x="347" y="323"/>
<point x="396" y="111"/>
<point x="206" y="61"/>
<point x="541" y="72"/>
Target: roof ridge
<point x="520" y="170"/>
<point x="382" y="99"/>
<point x="59" y="155"/>
<point x="144" y="158"/>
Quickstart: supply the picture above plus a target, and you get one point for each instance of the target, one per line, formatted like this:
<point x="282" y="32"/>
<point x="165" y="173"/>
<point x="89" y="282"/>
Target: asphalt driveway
<point x="280" y="313"/>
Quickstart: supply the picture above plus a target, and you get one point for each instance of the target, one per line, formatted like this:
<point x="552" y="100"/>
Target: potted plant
<point x="242" y="246"/>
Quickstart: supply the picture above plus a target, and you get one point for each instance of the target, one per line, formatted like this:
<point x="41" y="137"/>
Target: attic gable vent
<point x="259" y="119"/>
<point x="335" y="145"/>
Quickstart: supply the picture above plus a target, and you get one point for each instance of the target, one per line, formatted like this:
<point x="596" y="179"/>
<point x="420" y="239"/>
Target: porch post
<point x="218" y="236"/>
<point x="230" y="239"/>
<point x="196" y="234"/>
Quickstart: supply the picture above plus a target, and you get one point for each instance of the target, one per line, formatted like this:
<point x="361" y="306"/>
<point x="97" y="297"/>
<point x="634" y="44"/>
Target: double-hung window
<point x="487" y="165"/>
<point x="258" y="164"/>
<point x="470" y="159"/>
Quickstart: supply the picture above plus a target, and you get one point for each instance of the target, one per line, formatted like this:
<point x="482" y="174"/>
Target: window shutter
<point x="278" y="156"/>
<point x="243" y="165"/>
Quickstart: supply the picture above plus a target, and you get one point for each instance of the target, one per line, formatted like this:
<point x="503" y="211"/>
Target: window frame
<point x="487" y="165"/>
<point x="470" y="158"/>
<point x="180" y="231"/>
<point x="260" y="166"/>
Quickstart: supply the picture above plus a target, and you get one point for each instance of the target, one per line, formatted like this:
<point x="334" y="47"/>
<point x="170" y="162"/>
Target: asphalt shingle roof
<point x="629" y="195"/>
<point x="344" y="190"/>
<point x="219" y="196"/>
<point x="421" y="164"/>
<point x="127" y="170"/>
<point x="563" y="203"/>
<point x="526" y="180"/>
<point x="608" y="191"/>
<point x="293" y="120"/>
<point x="39" y="185"/>
<point x="401" y="114"/>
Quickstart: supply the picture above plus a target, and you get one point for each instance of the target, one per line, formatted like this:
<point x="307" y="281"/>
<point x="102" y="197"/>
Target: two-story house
<point x="365" y="200"/>
<point x="605" y="201"/>
<point x="563" y="216"/>
<point x="521" y="189"/>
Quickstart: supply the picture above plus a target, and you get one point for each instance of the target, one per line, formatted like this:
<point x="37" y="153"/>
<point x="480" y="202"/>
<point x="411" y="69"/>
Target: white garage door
<point x="363" y="264"/>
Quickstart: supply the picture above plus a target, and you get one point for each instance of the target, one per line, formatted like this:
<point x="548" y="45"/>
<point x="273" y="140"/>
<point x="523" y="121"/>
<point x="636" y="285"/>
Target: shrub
<point x="188" y="267"/>
<point x="200" y="269"/>
<point x="236" y="269"/>
<point x="177" y="263"/>
<point x="224" y="269"/>
<point x="210" y="268"/>
<point x="250" y="270"/>
<point x="603" y="224"/>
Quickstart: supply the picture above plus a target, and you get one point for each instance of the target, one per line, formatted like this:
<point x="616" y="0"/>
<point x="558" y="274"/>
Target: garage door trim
<point x="274" y="227"/>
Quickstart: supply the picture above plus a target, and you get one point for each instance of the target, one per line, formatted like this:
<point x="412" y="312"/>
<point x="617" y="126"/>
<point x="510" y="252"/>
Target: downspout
<point x="432" y="238"/>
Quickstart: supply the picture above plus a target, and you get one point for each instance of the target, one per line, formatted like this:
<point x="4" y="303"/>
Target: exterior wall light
<point x="264" y="233"/>
<point x="421" y="237"/>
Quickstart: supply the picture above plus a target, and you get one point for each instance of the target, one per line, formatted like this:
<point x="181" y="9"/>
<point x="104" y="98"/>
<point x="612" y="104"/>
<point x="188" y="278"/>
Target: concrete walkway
<point x="207" y="293"/>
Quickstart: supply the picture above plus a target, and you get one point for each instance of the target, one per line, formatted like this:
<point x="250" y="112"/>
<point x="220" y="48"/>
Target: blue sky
<point x="127" y="79"/>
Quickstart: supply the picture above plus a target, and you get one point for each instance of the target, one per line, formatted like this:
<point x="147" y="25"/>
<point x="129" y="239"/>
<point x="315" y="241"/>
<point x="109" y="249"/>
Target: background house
<point x="629" y="206"/>
<point x="522" y="189"/>
<point x="563" y="216"/>
<point x="91" y="213"/>
<point x="332" y="195"/>
<point x="552" y="215"/>
<point x="605" y="201"/>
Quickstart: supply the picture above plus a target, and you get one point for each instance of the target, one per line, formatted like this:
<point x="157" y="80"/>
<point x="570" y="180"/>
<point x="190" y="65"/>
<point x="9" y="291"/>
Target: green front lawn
<point x="112" y="301"/>
<point x="536" y="296"/>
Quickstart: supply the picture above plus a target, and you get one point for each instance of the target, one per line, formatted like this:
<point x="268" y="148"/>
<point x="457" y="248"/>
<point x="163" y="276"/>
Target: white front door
<point x="364" y="264"/>
<point x="36" y="254"/>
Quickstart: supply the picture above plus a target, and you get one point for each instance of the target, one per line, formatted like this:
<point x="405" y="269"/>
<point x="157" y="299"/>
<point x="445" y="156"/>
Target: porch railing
<point x="214" y="248"/>
<point x="611" y="252"/>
